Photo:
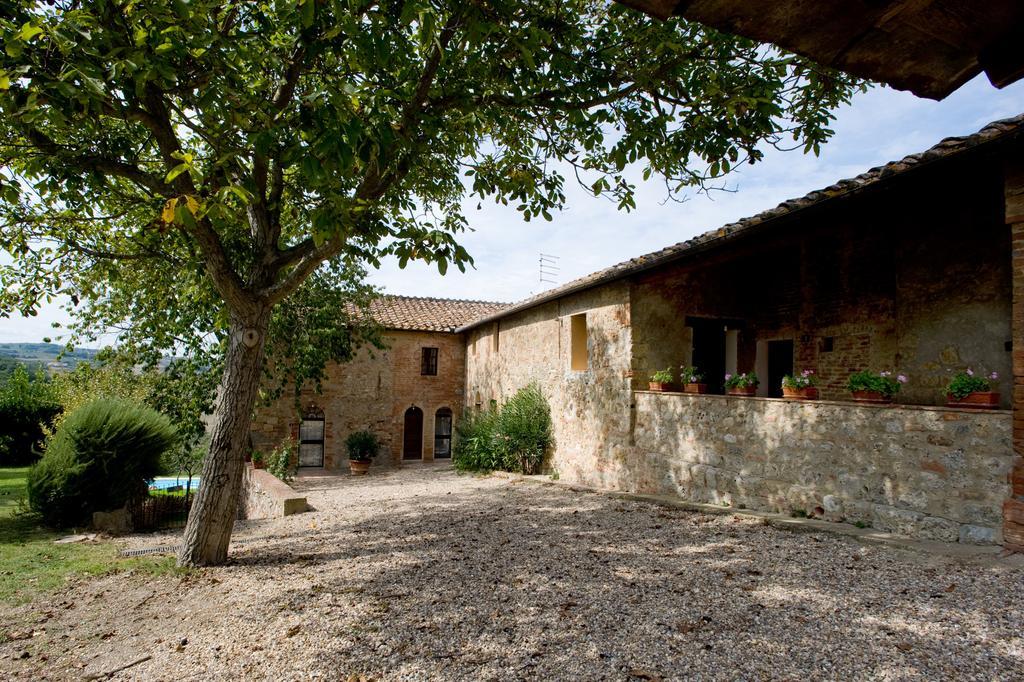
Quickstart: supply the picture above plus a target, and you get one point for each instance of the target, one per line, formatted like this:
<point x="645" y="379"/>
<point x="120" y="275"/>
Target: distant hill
<point x="44" y="353"/>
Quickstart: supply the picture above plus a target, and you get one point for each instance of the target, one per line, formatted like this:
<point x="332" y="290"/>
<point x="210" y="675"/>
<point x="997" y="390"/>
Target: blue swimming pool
<point x="165" y="482"/>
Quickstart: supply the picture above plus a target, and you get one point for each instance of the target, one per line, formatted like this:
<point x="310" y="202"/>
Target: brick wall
<point x="372" y="392"/>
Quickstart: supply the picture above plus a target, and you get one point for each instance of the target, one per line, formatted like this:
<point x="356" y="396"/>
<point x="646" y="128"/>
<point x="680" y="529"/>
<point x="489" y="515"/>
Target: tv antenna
<point x="548" y="268"/>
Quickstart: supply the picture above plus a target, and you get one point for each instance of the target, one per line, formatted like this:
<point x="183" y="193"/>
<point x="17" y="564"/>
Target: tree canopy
<point x="178" y="169"/>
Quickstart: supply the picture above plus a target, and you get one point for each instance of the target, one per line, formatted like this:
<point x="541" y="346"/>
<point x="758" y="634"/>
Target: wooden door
<point x="412" y="439"/>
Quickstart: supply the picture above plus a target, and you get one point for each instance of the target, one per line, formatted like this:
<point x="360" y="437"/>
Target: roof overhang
<point x="929" y="47"/>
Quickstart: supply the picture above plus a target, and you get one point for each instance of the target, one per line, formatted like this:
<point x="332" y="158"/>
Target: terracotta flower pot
<point x="806" y="393"/>
<point x="659" y="386"/>
<point x="259" y="465"/>
<point x="743" y="390"/>
<point x="695" y="388"/>
<point x="981" y="400"/>
<point x="358" y="467"/>
<point x="870" y="397"/>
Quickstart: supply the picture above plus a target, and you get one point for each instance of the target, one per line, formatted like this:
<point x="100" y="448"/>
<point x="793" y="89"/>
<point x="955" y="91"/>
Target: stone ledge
<point x="264" y="496"/>
<point x="975" y="554"/>
<point x="823" y="403"/>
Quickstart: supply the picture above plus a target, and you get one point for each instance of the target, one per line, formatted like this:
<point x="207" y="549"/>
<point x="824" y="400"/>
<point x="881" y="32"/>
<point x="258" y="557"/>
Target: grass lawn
<point x="31" y="564"/>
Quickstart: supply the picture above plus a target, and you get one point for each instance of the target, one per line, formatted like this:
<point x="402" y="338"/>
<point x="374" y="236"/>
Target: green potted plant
<point x="259" y="460"/>
<point x="661" y="380"/>
<point x="362" y="447"/>
<point x="741" y="384"/>
<point x="874" y="387"/>
<point x="692" y="380"/>
<point x="802" y="386"/>
<point x="968" y="389"/>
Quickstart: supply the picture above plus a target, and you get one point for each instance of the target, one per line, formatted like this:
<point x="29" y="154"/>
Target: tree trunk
<point x="215" y="508"/>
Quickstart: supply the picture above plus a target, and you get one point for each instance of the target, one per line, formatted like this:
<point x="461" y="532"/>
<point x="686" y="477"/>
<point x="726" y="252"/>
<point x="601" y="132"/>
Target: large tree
<point x="179" y="166"/>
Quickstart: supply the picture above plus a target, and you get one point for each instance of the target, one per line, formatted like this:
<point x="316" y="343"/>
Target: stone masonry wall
<point x="927" y="472"/>
<point x="590" y="409"/>
<point x="895" y="281"/>
<point x="372" y="393"/>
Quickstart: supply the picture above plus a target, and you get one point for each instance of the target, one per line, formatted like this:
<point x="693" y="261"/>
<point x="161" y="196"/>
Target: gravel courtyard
<point x="425" y="574"/>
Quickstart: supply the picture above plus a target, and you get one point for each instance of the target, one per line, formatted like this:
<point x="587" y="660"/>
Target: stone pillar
<point x="1013" y="508"/>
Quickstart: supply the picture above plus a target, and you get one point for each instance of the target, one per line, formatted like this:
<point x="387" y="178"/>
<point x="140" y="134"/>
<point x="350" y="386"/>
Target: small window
<point x="428" y="364"/>
<point x="828" y="344"/>
<point x="578" y="342"/>
<point x="497" y="336"/>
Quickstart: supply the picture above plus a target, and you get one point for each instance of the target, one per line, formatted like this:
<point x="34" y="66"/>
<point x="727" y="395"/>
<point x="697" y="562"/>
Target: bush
<point x="513" y="438"/>
<point x="524" y="430"/>
<point x="101" y="455"/>
<point x="362" y="446"/>
<point x="282" y="462"/>
<point x="474" y="448"/>
<point x="27" y="405"/>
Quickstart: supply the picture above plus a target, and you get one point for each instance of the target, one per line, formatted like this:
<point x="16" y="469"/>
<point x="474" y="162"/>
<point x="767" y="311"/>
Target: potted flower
<point x="802" y="386"/>
<point x="259" y="460"/>
<point x="741" y="384"/>
<point x="693" y="381"/>
<point x="967" y="389"/>
<point x="362" y="447"/>
<point x="661" y="380"/>
<point x="874" y="387"/>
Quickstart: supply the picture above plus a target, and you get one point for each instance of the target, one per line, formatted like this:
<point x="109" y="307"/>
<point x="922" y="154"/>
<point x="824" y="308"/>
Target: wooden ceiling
<point x="929" y="47"/>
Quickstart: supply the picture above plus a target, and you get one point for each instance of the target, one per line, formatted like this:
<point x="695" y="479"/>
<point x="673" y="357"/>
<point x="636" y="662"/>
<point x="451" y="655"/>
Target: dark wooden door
<point x="412" y="440"/>
<point x="780" y="363"/>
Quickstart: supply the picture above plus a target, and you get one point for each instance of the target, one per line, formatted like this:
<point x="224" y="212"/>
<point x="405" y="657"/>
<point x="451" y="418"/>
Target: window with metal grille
<point x="443" y="433"/>
<point x="311" y="438"/>
<point x="428" y="364"/>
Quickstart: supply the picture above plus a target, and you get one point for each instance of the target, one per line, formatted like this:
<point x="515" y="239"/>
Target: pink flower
<point x="902" y="378"/>
<point x="970" y="372"/>
<point x="993" y="376"/>
<point x="728" y="376"/>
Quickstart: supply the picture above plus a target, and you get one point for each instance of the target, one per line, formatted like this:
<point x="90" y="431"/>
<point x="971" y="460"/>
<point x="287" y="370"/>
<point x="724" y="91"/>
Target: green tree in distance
<point x="179" y="169"/>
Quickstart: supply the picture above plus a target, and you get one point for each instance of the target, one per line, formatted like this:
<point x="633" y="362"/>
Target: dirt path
<point x="425" y="574"/>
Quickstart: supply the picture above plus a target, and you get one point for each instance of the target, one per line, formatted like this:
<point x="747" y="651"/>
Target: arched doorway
<point x="443" y="433"/>
<point x="412" y="439"/>
<point x="311" y="437"/>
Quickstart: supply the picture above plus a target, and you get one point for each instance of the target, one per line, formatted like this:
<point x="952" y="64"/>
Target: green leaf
<point x="28" y="32"/>
<point x="176" y="171"/>
<point x="308" y="12"/>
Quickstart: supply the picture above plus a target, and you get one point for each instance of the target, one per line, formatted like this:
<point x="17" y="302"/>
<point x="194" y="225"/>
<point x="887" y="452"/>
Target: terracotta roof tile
<point x="415" y="313"/>
<point x="948" y="147"/>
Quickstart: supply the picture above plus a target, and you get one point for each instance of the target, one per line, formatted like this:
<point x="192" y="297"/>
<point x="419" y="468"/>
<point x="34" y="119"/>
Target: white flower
<point x="970" y="372"/>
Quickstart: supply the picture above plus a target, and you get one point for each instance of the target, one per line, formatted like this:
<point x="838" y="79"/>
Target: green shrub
<point x="515" y="437"/>
<point x="524" y="430"/>
<point x="101" y="455"/>
<point x="362" y="446"/>
<point x="282" y="462"/>
<point x="27" y="405"/>
<point x="474" y="448"/>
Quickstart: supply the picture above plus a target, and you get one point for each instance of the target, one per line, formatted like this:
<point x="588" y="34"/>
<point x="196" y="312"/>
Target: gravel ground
<point x="422" y="573"/>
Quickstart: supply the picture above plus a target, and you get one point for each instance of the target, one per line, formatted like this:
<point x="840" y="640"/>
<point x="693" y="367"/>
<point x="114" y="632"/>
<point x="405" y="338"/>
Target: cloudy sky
<point x="878" y="126"/>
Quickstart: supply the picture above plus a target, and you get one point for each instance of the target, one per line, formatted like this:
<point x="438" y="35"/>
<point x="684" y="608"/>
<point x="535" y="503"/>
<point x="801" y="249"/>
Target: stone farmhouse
<point x="916" y="266"/>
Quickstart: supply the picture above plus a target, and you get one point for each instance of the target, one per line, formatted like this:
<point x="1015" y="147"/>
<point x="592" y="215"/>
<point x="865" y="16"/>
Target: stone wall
<point x="893" y="281"/>
<point x="589" y="408"/>
<point x="372" y="392"/>
<point x="927" y="472"/>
